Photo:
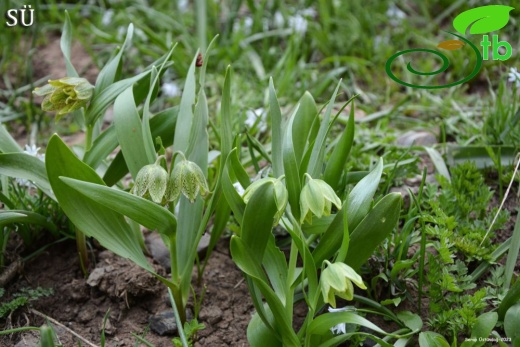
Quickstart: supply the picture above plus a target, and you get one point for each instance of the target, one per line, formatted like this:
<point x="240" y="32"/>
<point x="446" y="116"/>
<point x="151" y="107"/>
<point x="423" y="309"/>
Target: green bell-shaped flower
<point x="337" y="279"/>
<point x="280" y="193"/>
<point x="187" y="178"/>
<point x="317" y="198"/>
<point x="65" y="95"/>
<point x="152" y="181"/>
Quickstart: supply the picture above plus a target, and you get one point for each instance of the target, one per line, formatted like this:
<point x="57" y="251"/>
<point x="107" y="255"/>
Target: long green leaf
<point x="26" y="217"/>
<point x="7" y="143"/>
<point x="258" y="334"/>
<point x="26" y="166"/>
<point x="431" y="339"/>
<point x="302" y="126"/>
<point x="184" y="120"/>
<point x="318" y="150"/>
<point x="374" y="228"/>
<point x="108" y="74"/>
<point x="356" y="206"/>
<point x="144" y="212"/>
<point x="292" y="176"/>
<point x="276" y="126"/>
<point x="66" y="44"/>
<point x="226" y="123"/>
<point x="129" y="130"/>
<point x="257" y="222"/>
<point x="324" y="322"/>
<point x="162" y="125"/>
<point x="336" y="163"/>
<point x="100" y="102"/>
<point x="91" y="217"/>
<point x="245" y="259"/>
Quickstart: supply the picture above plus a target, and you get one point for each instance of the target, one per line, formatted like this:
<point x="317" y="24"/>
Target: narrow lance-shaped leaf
<point x="226" y="124"/>
<point x="374" y="228"/>
<point x="357" y="206"/>
<point x="302" y="125"/>
<point x="276" y="126"/>
<point x="129" y="130"/>
<point x="245" y="258"/>
<point x="66" y="44"/>
<point x="26" y="166"/>
<point x="108" y="74"/>
<point x="144" y="212"/>
<point x="292" y="176"/>
<point x="324" y="322"/>
<point x="100" y="102"/>
<point x="92" y="218"/>
<point x="7" y="143"/>
<point x="27" y="217"/>
<point x="318" y="150"/>
<point x="258" y="217"/>
<point x="336" y="163"/>
<point x="184" y="120"/>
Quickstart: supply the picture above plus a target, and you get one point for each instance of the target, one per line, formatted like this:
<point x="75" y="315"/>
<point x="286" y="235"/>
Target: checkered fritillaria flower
<point x="187" y="178"/>
<point x="65" y="95"/>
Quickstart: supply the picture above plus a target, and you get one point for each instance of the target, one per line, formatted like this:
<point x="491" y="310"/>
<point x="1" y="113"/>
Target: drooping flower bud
<point x="187" y="178"/>
<point x="65" y="95"/>
<point x="337" y="279"/>
<point x="280" y="193"/>
<point x="152" y="181"/>
<point x="317" y="198"/>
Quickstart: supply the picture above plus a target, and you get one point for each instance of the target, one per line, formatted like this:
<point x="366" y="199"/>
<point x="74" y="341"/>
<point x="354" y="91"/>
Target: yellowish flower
<point x="65" y="95"/>
<point x="337" y="279"/>
<point x="317" y="198"/>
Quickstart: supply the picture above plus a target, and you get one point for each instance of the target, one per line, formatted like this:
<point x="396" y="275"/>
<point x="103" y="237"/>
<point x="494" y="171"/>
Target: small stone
<point x="203" y="245"/>
<point x="212" y="315"/>
<point x="95" y="276"/>
<point x="28" y="340"/>
<point x="416" y="138"/>
<point x="164" y="323"/>
<point x="85" y="315"/>
<point x="158" y="250"/>
<point x="161" y="254"/>
<point x="109" y="328"/>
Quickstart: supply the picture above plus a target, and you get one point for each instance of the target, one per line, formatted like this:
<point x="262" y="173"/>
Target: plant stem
<point x="180" y="316"/>
<point x="81" y="243"/>
<point x="293" y="257"/>
<point x="200" y="6"/>
<point x="88" y="137"/>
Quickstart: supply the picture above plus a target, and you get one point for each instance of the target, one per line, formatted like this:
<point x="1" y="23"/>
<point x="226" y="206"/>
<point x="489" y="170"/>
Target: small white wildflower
<point x="106" y="20"/>
<point x="395" y="15"/>
<point x="244" y="26"/>
<point x="170" y="89"/>
<point x="258" y="117"/>
<point x="309" y="12"/>
<point x="341" y="328"/>
<point x="33" y="150"/>
<point x="514" y="76"/>
<point x="298" y="24"/>
<point x="238" y="187"/>
<point x="182" y="5"/>
<point x="279" y="21"/>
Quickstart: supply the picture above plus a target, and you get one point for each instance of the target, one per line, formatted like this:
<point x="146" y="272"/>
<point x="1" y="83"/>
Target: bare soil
<point x="132" y="296"/>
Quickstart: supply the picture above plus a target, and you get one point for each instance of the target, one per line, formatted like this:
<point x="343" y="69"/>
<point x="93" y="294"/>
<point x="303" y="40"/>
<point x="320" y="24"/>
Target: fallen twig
<point x="38" y="313"/>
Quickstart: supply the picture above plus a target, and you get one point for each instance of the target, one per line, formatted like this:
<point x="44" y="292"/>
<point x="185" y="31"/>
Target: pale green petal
<point x="45" y="90"/>
<point x="352" y="275"/>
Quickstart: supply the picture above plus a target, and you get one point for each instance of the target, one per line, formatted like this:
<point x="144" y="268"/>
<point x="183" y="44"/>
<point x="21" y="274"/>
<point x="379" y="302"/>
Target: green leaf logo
<point x="482" y="20"/>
